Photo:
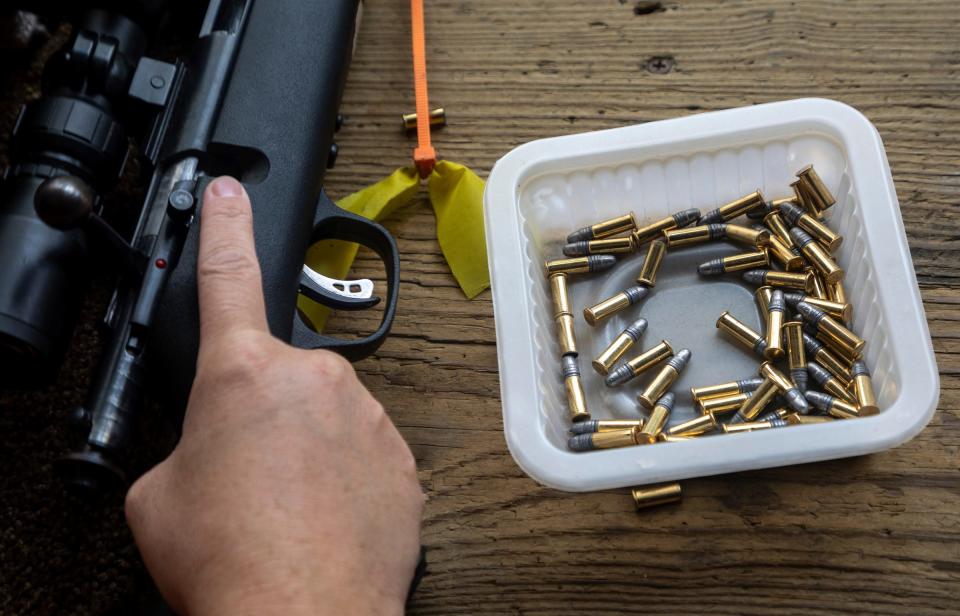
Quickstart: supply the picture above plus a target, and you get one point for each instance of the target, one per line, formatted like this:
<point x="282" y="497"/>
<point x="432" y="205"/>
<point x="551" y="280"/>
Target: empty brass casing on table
<point x="581" y="265"/>
<point x="802" y="281"/>
<point x="723" y="404"/>
<point x="604" y="425"/>
<point x="691" y="236"/>
<point x="562" y="314"/>
<point x="657" y="228"/>
<point x="829" y="383"/>
<point x="620" y="345"/>
<point x="762" y="296"/>
<point x="837" y="310"/>
<point x="651" y="263"/>
<point x="778" y="228"/>
<point x="657" y="495"/>
<point x="750" y="426"/>
<point x="823" y="234"/>
<point x="735" y="208"/>
<point x="694" y="427"/>
<point x="782" y="254"/>
<point x="805" y="201"/>
<point x="818" y="353"/>
<point x="755" y="404"/>
<point x="725" y="389"/>
<point x="833" y="406"/>
<point x="863" y="390"/>
<point x="776" y="316"/>
<point x="788" y="389"/>
<point x="747" y="236"/>
<point x="735" y="263"/>
<point x="796" y="354"/>
<point x="657" y="420"/>
<point x="832" y="328"/>
<point x="606" y="228"/>
<point x="836" y="293"/>
<point x="613" y="305"/>
<point x="742" y="333"/>
<point x="605" y="246"/>
<point x="815" y="188"/>
<point x="639" y="364"/>
<point x="438" y="118"/>
<point x="576" y="398"/>
<point x="624" y="437"/>
<point x="664" y="379"/>
<point x="818" y="256"/>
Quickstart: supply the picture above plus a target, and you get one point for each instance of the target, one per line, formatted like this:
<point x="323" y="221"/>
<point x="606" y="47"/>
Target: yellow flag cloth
<point x="457" y="197"/>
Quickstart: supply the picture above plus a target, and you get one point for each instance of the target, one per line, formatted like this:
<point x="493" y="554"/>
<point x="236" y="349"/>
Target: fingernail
<point x="226" y="186"/>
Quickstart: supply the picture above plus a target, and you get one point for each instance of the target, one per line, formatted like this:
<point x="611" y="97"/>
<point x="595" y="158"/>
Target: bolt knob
<point x="64" y="202"/>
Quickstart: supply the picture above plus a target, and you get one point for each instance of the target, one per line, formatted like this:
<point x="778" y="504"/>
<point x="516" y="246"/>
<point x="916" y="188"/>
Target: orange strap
<point x="424" y="156"/>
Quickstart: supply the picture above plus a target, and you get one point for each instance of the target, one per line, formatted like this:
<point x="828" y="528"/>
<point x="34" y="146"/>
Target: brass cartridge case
<point x="438" y="118"/>
<point x="606" y="246"/>
<point x="796" y="354"/>
<point x="658" y="495"/>
<point x="788" y="389"/>
<point x="576" y="398"/>
<point x="694" y="427"/>
<point x="818" y="256"/>
<point x="657" y="228"/>
<point x="750" y="426"/>
<point x="735" y="263"/>
<point x="819" y="288"/>
<point x="620" y="345"/>
<point x="639" y="364"/>
<point x="837" y="310"/>
<point x="732" y="210"/>
<point x="837" y="293"/>
<point x="691" y="236"/>
<point x="664" y="379"/>
<point x="651" y="263"/>
<point x="823" y="234"/>
<point x="782" y="254"/>
<point x="580" y="265"/>
<point x="776" y="316"/>
<point x="726" y="389"/>
<point x="778" y="228"/>
<point x="762" y="296"/>
<point x="802" y="281"/>
<point x="839" y="348"/>
<point x="772" y="205"/>
<point x="562" y="315"/>
<point x="804" y="200"/>
<point x="723" y="404"/>
<point x="742" y="333"/>
<point x="863" y="390"/>
<point x="657" y="420"/>
<point x="833" y="406"/>
<point x="748" y="236"/>
<point x="606" y="228"/>
<point x="604" y="425"/>
<point x="663" y="437"/>
<point x="815" y="188"/>
<point x="818" y="353"/>
<point x="796" y="419"/>
<point x="780" y="413"/>
<point x="624" y="437"/>
<point x="829" y="383"/>
<point x="832" y="328"/>
<point x="756" y="403"/>
<point x="613" y="305"/>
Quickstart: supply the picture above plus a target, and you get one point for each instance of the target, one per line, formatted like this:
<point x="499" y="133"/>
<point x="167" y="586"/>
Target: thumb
<point x="228" y="274"/>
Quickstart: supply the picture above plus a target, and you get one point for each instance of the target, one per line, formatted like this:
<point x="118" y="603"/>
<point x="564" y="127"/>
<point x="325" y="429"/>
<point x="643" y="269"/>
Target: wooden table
<point x="875" y="534"/>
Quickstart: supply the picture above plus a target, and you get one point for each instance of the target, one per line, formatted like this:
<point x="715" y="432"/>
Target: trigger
<point x="337" y="294"/>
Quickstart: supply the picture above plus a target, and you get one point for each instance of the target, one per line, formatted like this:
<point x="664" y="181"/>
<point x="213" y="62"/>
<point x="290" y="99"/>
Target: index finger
<point x="228" y="273"/>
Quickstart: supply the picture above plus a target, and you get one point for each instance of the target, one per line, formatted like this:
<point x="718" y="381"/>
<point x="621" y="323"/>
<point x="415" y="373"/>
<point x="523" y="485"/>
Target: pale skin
<point x="291" y="491"/>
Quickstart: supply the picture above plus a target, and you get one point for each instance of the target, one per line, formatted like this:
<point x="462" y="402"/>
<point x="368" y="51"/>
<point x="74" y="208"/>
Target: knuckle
<point x="226" y="261"/>
<point x="333" y="367"/>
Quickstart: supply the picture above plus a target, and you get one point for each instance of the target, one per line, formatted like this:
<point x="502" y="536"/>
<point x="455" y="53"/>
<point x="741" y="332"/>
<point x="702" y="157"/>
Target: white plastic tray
<point x="542" y="190"/>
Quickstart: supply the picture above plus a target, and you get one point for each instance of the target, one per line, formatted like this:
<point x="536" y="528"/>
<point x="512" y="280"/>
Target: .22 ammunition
<point x="620" y="345"/>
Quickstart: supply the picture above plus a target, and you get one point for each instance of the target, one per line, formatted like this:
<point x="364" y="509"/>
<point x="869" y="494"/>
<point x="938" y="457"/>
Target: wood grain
<point x="878" y="534"/>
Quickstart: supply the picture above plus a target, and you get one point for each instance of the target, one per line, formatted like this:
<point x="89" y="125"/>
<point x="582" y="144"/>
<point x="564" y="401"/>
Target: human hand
<point x="290" y="491"/>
